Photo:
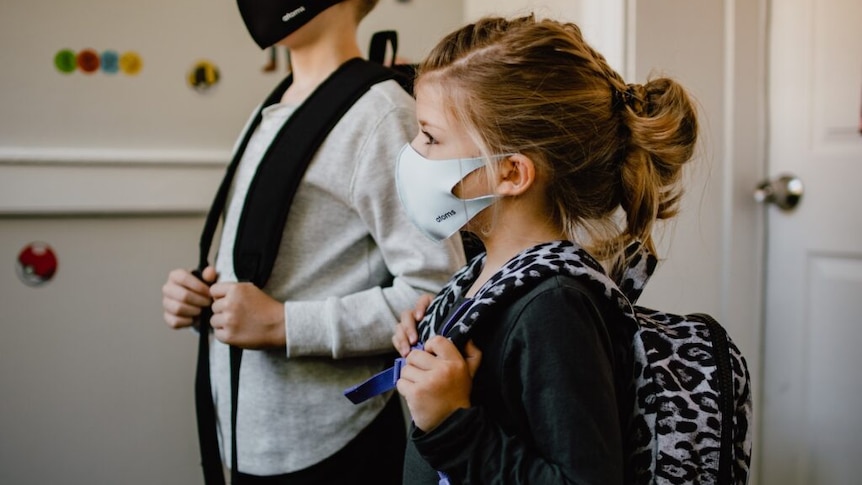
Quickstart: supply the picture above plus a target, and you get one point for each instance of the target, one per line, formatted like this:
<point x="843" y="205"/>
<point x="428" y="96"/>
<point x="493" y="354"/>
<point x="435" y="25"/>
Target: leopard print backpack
<point x="691" y="388"/>
<point x="693" y="409"/>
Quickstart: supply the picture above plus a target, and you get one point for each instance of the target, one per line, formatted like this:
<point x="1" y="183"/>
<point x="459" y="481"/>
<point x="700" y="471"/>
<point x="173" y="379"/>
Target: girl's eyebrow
<point x="426" y="124"/>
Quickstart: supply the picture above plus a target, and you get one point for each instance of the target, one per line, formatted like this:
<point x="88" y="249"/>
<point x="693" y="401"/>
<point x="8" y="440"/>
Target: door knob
<point x="785" y="192"/>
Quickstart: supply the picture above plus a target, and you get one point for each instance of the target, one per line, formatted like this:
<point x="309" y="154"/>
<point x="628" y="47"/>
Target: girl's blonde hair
<point x="536" y="87"/>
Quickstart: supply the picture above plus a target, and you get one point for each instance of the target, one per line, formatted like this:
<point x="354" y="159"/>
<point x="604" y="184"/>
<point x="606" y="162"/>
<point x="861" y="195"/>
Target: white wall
<point x="601" y="21"/>
<point x="419" y="23"/>
<point x="99" y="142"/>
<point x="95" y="389"/>
<point x="717" y="50"/>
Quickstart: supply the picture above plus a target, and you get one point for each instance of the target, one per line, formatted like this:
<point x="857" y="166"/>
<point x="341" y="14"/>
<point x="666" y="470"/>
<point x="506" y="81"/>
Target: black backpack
<point x="265" y="211"/>
<point x="263" y="218"/>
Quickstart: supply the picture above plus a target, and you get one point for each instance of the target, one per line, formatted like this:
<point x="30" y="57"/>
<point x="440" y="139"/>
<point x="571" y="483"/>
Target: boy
<point x="349" y="262"/>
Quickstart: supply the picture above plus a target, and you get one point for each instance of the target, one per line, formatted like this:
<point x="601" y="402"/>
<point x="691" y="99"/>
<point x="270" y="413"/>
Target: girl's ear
<point x="516" y="173"/>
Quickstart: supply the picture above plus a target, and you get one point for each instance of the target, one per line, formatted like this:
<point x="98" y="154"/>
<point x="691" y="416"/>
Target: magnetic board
<point x="99" y="80"/>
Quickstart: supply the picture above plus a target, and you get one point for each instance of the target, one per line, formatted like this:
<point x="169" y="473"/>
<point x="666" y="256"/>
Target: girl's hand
<point x="438" y="380"/>
<point x="405" y="335"/>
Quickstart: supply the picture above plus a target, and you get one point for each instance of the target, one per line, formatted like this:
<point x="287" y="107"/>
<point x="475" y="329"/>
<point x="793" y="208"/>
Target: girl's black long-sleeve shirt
<point x="548" y="399"/>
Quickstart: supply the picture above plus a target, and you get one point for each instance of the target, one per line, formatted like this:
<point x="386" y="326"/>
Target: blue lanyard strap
<point x="386" y="380"/>
<point x="378" y="383"/>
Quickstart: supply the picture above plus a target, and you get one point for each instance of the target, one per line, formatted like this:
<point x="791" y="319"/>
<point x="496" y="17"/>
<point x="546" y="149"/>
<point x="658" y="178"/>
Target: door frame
<point x="716" y="249"/>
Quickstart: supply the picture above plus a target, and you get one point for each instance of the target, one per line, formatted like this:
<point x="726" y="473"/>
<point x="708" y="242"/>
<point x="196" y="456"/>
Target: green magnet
<point x="66" y="61"/>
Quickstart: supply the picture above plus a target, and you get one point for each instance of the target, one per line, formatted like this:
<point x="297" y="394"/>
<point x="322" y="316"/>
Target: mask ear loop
<point x="469" y="172"/>
<point x="467" y="202"/>
<point x="492" y="171"/>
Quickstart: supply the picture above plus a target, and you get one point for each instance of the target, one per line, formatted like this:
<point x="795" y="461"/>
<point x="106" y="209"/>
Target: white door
<point x="812" y="403"/>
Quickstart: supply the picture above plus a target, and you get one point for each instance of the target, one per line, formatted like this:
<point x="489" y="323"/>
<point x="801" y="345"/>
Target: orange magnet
<point x="88" y="61"/>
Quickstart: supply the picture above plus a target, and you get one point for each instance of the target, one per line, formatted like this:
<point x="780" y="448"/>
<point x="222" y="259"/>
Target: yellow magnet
<point x="131" y="63"/>
<point x="203" y="76"/>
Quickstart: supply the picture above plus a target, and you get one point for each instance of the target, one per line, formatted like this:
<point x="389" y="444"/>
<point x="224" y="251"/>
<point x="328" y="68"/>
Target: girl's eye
<point x="430" y="139"/>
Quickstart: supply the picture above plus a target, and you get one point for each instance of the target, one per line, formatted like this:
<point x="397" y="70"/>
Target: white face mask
<point x="425" y="188"/>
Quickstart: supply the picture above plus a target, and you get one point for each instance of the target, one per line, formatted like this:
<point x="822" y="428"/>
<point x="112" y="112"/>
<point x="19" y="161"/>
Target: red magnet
<point x="37" y="264"/>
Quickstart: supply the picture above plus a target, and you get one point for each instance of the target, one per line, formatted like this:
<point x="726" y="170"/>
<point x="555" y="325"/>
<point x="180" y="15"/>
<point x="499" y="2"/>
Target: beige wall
<point x="95" y="388"/>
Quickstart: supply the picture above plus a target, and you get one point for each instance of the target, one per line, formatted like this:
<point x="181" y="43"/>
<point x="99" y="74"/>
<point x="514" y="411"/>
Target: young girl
<point x="519" y="371"/>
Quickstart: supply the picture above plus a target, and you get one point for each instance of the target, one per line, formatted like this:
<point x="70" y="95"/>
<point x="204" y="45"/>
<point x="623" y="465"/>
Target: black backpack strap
<point x="261" y="224"/>
<point x="217" y="206"/>
<point x="379" y="42"/>
<point x="206" y="417"/>
<point x="405" y="74"/>
<point x="262" y="221"/>
<point x="235" y="361"/>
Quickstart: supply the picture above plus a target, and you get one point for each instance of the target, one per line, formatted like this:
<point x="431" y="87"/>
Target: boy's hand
<point x="245" y="316"/>
<point x="184" y="296"/>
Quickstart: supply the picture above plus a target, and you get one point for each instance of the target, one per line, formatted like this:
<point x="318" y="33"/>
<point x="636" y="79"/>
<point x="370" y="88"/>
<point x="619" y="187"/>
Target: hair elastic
<point x="620" y="98"/>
